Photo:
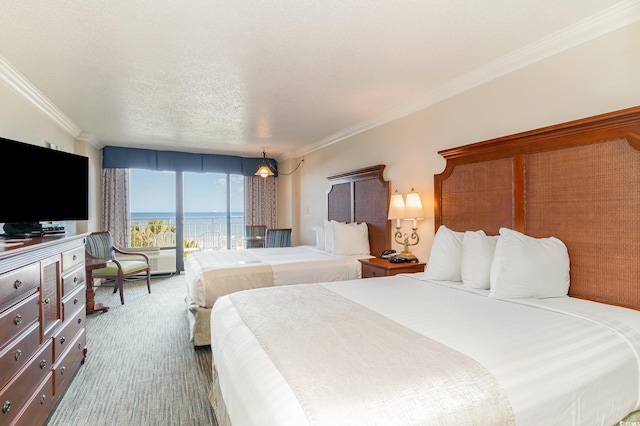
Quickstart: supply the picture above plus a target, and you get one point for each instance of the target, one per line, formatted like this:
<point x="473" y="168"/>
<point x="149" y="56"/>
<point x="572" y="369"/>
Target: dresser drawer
<point x="18" y="352"/>
<point x="15" y="396"/>
<point x="69" y="363"/>
<point x="40" y="404"/>
<point x="73" y="303"/>
<point x="72" y="258"/>
<point x="73" y="279"/>
<point x="16" y="319"/>
<point x="16" y="284"/>
<point x="63" y="338"/>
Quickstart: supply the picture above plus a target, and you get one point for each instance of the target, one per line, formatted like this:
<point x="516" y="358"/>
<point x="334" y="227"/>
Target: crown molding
<point x="16" y="81"/>
<point x="621" y="15"/>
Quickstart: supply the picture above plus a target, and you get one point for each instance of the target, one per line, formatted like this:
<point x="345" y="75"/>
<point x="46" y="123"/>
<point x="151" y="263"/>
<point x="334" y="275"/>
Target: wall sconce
<point x="264" y="170"/>
<point x="411" y="210"/>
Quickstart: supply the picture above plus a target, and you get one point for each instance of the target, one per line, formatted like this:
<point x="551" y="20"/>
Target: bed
<point x="560" y="205"/>
<point x="356" y="226"/>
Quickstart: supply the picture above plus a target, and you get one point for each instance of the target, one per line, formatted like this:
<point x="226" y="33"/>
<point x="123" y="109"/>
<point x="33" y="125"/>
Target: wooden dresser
<point x="42" y="317"/>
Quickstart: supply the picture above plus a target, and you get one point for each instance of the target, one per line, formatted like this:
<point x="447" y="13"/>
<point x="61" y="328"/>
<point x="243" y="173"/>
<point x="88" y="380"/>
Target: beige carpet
<point x="141" y="368"/>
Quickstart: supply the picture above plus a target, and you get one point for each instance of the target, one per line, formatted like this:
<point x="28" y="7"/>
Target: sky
<point x="153" y="191"/>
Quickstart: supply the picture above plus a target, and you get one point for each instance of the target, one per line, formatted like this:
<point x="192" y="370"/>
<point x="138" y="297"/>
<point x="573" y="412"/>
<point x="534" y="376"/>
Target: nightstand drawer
<point x="375" y="267"/>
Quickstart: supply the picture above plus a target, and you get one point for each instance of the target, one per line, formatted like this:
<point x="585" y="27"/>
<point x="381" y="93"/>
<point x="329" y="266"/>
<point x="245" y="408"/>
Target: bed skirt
<point x="215" y="396"/>
<point x="199" y="323"/>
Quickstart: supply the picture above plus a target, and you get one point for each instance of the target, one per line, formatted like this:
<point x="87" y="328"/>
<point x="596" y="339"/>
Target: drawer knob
<point x="47" y="301"/>
<point x="373" y="273"/>
<point x="75" y="301"/>
<point x="18" y="354"/>
<point x="43" y="363"/>
<point x="17" y="284"/>
<point x="62" y="370"/>
<point x="79" y="320"/>
<point x="62" y="340"/>
<point x="43" y="398"/>
<point x="75" y="280"/>
<point x="6" y="407"/>
<point x="75" y="257"/>
<point x="18" y="319"/>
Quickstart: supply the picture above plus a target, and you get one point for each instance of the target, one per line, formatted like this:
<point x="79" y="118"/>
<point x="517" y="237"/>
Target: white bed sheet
<point x="561" y="361"/>
<point x="289" y="265"/>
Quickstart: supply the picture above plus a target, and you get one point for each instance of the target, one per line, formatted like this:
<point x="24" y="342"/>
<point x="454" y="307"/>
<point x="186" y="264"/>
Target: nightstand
<point x="376" y="267"/>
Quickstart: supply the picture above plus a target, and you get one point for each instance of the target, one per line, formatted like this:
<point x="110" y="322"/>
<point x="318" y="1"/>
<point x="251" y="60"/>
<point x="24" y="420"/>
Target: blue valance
<point x="114" y="157"/>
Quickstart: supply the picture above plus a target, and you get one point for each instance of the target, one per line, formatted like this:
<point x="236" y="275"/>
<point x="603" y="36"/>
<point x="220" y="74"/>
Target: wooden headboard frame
<point x="362" y="196"/>
<point x="578" y="181"/>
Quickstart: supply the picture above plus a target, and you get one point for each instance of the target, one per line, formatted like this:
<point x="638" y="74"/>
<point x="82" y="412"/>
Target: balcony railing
<point x="154" y="231"/>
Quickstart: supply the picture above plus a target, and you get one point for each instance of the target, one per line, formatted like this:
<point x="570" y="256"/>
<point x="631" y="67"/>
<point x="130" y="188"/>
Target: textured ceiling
<point x="239" y="76"/>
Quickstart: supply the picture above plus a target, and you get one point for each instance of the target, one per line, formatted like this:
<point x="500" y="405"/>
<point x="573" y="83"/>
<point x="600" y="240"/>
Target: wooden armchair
<point x="100" y="245"/>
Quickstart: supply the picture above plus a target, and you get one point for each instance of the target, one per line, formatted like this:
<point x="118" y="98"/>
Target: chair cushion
<point x="128" y="267"/>
<point x="100" y="245"/>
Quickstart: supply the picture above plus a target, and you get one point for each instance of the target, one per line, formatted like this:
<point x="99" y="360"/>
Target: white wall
<point x="21" y="121"/>
<point x="597" y="77"/>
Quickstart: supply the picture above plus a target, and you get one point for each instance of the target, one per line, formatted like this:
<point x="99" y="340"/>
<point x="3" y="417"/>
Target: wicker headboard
<point x="362" y="196"/>
<point x="578" y="181"/>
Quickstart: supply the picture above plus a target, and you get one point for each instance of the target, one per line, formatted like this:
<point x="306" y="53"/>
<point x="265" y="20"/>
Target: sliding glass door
<point x="186" y="211"/>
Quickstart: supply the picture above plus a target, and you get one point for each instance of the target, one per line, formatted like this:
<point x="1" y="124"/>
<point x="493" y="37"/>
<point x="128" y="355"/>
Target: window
<point x="211" y="202"/>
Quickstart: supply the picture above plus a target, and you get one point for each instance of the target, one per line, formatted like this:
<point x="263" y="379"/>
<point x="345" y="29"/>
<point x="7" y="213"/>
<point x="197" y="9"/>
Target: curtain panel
<point x="116" y="205"/>
<point x="260" y="201"/>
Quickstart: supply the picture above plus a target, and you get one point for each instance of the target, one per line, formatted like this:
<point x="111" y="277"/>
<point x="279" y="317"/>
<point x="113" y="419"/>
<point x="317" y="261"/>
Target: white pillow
<point x="319" y="230"/>
<point x="350" y="238"/>
<point x="446" y="256"/>
<point x="328" y="236"/>
<point x="477" y="256"/>
<point x="524" y="266"/>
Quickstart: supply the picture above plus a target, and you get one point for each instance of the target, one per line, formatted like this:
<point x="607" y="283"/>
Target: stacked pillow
<point x="343" y="238"/>
<point x="511" y="265"/>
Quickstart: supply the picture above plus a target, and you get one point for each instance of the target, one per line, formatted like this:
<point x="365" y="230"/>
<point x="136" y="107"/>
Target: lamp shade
<point x="413" y="207"/>
<point x="396" y="207"/>
<point x="264" y="170"/>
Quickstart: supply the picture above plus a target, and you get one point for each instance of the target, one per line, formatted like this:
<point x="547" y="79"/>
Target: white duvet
<point x="560" y="361"/>
<point x="263" y="267"/>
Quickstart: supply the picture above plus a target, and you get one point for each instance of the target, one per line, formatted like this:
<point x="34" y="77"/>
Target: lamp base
<point x="406" y="256"/>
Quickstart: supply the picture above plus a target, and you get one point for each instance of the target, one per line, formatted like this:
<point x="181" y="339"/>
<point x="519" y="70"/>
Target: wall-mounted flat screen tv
<point x="42" y="184"/>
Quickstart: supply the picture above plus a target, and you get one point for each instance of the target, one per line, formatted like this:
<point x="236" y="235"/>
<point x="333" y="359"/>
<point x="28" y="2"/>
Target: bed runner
<point x="350" y="365"/>
<point x="230" y="270"/>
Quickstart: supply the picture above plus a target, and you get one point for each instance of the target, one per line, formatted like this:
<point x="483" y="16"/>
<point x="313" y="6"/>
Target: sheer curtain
<point x="116" y="207"/>
<point x="260" y="201"/>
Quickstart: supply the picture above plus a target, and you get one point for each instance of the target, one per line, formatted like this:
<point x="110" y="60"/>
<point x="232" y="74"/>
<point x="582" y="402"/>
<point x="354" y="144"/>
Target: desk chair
<point x="278" y="237"/>
<point x="254" y="235"/>
<point x="99" y="245"/>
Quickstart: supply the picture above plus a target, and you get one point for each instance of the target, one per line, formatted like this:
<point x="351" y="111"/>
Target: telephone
<point x="386" y="254"/>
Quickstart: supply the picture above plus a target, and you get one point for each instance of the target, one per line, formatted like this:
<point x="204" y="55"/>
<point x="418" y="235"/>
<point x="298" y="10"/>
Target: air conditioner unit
<point x="162" y="261"/>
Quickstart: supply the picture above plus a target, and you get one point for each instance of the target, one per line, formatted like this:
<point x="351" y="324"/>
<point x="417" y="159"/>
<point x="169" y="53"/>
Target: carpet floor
<point x="141" y="368"/>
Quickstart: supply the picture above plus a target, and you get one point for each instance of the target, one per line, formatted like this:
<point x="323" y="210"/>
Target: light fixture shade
<point x="396" y="207"/>
<point x="413" y="207"/>
<point x="264" y="170"/>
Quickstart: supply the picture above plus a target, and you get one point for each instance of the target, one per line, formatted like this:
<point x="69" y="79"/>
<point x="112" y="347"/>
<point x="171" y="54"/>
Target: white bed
<point x="356" y="227"/>
<point x="555" y="361"/>
<point x="211" y="274"/>
<point x="534" y="318"/>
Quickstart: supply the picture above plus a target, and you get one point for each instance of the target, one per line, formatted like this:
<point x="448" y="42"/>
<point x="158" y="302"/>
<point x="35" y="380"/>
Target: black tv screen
<point x="42" y="184"/>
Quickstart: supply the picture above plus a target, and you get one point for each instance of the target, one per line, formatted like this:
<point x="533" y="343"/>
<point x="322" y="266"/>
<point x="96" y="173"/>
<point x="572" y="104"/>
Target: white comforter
<point x="262" y="267"/>
<point x="560" y="361"/>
